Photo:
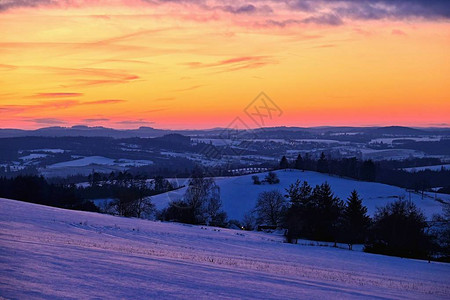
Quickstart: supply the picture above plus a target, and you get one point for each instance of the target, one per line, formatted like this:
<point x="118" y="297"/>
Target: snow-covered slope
<point x="53" y="253"/>
<point x="431" y="168"/>
<point x="239" y="194"/>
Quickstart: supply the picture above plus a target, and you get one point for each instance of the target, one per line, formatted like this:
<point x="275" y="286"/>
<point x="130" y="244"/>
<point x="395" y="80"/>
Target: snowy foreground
<point x="53" y="253"/>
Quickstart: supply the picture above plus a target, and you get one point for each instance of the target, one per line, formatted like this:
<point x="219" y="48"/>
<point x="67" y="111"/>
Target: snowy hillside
<point x="239" y="194"/>
<point x="431" y="168"/>
<point x="53" y="253"/>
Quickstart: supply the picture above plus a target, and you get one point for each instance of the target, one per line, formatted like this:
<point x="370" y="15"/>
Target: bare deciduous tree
<point x="270" y="207"/>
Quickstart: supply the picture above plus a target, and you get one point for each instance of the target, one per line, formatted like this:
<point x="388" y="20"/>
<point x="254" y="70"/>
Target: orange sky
<point x="198" y="64"/>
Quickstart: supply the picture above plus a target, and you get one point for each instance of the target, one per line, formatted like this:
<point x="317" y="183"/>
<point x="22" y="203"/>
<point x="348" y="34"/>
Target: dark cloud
<point x="440" y="124"/>
<point x="247" y="9"/>
<point x="378" y="9"/>
<point x="280" y="23"/>
<point x="135" y="122"/>
<point x="325" y="19"/>
<point x="428" y="9"/>
<point x="322" y="10"/>
<point x="8" y="4"/>
<point x="48" y="121"/>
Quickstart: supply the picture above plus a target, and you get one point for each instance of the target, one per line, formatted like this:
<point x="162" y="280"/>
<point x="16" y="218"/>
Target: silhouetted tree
<point x="441" y="233"/>
<point x="284" y="164"/>
<point x="322" y="164"/>
<point x="161" y="184"/>
<point x="355" y="221"/>
<point x="143" y="206"/>
<point x="297" y="216"/>
<point x="299" y="165"/>
<point x="399" y="230"/>
<point x="270" y="207"/>
<point x="327" y="209"/>
<point x="299" y="193"/>
<point x="249" y="221"/>
<point x="368" y="170"/>
<point x="203" y="197"/>
<point x="178" y="211"/>
<point x="272" y="178"/>
<point x="255" y="179"/>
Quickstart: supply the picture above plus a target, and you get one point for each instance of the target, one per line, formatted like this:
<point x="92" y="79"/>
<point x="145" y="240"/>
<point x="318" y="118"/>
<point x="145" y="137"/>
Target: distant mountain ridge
<point x="267" y="132"/>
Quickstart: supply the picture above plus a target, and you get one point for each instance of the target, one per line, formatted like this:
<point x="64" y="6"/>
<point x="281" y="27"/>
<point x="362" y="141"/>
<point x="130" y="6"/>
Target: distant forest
<point x="387" y="171"/>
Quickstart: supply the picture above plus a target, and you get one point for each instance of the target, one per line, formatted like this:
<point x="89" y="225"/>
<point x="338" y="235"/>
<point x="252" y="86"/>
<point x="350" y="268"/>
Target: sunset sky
<point x="200" y="63"/>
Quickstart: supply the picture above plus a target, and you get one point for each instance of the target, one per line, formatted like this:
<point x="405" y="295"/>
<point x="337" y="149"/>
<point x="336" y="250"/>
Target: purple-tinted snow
<point x="53" y="253"/>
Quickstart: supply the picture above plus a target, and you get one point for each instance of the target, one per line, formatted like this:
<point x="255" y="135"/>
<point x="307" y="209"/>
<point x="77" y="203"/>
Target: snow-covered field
<point x="33" y="156"/>
<point x="86" y="165"/>
<point x="416" y="139"/>
<point x="53" y="253"/>
<point x="432" y="168"/>
<point x="392" y="154"/>
<point x="239" y="194"/>
<point x="100" y="160"/>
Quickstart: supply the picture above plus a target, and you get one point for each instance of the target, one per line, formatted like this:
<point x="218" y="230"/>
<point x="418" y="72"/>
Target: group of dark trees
<point x="388" y="172"/>
<point x="271" y="178"/>
<point x="200" y="204"/>
<point x="130" y="195"/>
<point x="398" y="228"/>
<point x="36" y="189"/>
<point x="348" y="167"/>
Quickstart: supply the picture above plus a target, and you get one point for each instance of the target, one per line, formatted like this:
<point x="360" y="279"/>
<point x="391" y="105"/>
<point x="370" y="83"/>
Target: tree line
<point x="388" y="172"/>
<point x="36" y="189"/>
<point x="130" y="194"/>
<point x="398" y="229"/>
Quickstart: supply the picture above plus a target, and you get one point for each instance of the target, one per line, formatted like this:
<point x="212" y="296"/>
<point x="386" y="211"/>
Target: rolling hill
<point x="239" y="194"/>
<point x="51" y="253"/>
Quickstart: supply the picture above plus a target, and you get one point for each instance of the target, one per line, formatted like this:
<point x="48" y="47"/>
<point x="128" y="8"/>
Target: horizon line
<point x="436" y="126"/>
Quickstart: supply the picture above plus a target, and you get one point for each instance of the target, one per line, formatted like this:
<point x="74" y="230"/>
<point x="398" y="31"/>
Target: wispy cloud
<point x="398" y="32"/>
<point x="56" y="95"/>
<point x="79" y="77"/>
<point x="235" y="60"/>
<point x="236" y="63"/>
<point x="7" y="67"/>
<point x="164" y="99"/>
<point x="105" y="101"/>
<point x="190" y="88"/>
<point x="149" y="111"/>
<point x="324" y="46"/>
<point x="55" y="104"/>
